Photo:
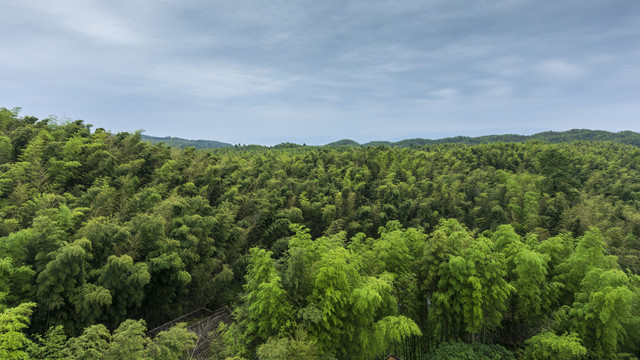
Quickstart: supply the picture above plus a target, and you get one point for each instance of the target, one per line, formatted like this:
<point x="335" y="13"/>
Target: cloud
<point x="246" y="70"/>
<point x="559" y="69"/>
<point x="214" y="80"/>
<point x="91" y="19"/>
<point x="444" y="94"/>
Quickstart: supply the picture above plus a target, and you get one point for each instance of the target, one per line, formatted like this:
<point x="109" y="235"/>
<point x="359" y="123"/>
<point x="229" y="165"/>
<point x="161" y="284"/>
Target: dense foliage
<point x="489" y="250"/>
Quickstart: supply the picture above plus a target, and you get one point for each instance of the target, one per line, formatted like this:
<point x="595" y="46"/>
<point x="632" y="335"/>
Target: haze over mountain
<point x="277" y="71"/>
<point x="622" y="137"/>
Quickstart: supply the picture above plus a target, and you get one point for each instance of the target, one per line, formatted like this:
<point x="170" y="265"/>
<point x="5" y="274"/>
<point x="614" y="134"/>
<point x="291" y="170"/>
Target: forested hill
<point x="486" y="251"/>
<point x="182" y="143"/>
<point x="622" y="137"/>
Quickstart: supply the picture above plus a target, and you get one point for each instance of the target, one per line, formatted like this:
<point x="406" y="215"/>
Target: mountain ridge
<point x="182" y="143"/>
<point x="623" y="137"/>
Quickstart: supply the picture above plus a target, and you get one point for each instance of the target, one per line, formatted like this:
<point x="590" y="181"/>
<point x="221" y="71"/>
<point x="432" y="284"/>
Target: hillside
<point x="343" y="142"/>
<point x="622" y="137"/>
<point x="182" y="143"/>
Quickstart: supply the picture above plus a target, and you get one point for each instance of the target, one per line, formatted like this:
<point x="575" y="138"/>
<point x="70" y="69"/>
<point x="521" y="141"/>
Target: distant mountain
<point x="378" y="143"/>
<point x="182" y="143"/>
<point x="343" y="142"/>
<point x="622" y="137"/>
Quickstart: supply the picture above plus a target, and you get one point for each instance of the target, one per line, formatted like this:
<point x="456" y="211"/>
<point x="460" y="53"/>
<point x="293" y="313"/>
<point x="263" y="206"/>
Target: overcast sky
<point x="270" y="71"/>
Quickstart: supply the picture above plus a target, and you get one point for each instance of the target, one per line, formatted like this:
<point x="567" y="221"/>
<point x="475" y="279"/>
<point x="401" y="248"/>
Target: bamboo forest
<point x="497" y="250"/>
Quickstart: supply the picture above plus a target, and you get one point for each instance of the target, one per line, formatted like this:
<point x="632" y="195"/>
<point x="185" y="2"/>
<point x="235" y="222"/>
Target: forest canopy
<point x="494" y="250"/>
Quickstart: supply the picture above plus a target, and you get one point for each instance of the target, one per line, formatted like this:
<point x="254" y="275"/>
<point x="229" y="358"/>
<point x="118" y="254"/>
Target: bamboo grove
<point x="501" y="250"/>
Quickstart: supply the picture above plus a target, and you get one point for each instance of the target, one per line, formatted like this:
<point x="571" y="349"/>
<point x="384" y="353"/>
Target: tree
<point x="448" y="239"/>
<point x="590" y="253"/>
<point x="13" y="341"/>
<point x="298" y="347"/>
<point x="472" y="292"/>
<point x="15" y="282"/>
<point x="473" y="351"/>
<point x="268" y="311"/>
<point x="548" y="345"/>
<point x="51" y="346"/>
<point x="229" y="343"/>
<point x="557" y="168"/>
<point x="128" y="341"/>
<point x="168" y="279"/>
<point x="90" y="345"/>
<point x="90" y="301"/>
<point x="58" y="282"/>
<point x="172" y="344"/>
<point x="6" y="150"/>
<point x="603" y="310"/>
<point x="528" y="273"/>
<point x="125" y="281"/>
<point x="336" y="277"/>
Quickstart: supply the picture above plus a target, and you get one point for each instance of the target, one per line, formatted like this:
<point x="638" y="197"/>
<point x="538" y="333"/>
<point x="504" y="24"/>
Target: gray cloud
<point x="307" y="71"/>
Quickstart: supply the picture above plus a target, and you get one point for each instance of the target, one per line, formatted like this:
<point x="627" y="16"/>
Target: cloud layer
<point x="305" y="71"/>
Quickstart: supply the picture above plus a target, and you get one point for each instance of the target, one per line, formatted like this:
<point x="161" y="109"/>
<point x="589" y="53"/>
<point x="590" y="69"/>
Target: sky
<point x="266" y="72"/>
